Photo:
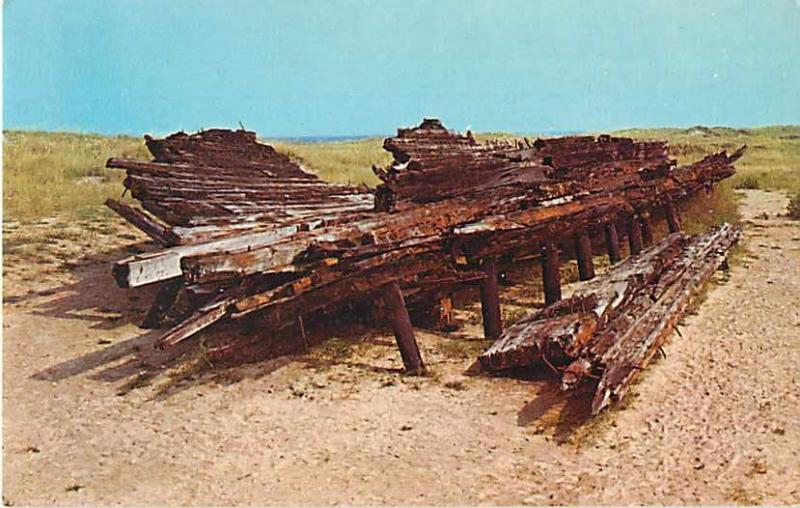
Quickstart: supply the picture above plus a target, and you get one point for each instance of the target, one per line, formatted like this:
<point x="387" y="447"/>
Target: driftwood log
<point x="611" y="327"/>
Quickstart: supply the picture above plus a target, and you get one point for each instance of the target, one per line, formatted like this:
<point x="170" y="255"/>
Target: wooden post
<point x="673" y="220"/>
<point x="490" y="301"/>
<point x="647" y="229"/>
<point x="401" y="324"/>
<point x="165" y="299"/>
<point x="583" y="250"/>
<point x="550" y="273"/>
<point x="612" y="243"/>
<point x="634" y="235"/>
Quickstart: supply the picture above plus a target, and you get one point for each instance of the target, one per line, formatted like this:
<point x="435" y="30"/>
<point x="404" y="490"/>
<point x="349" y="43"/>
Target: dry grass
<point x="48" y="174"/>
<point x="341" y="161"/>
<point x="772" y="159"/>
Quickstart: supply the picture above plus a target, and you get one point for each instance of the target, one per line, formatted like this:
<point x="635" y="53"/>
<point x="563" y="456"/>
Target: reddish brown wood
<point x="673" y="220"/>
<point x="401" y="325"/>
<point x="612" y="243"/>
<point x="490" y="301"/>
<point x="287" y="244"/>
<point x="647" y="229"/>
<point x="551" y="275"/>
<point x="583" y="251"/>
<point x="634" y="235"/>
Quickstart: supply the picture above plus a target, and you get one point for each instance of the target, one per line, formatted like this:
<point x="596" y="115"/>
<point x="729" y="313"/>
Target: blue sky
<point x="289" y="68"/>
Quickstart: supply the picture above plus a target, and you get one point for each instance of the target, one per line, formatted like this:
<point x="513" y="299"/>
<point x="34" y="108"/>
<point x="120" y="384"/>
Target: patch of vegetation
<point x="772" y="156"/>
<point x="748" y="182"/>
<point x="702" y="210"/>
<point x="342" y="161"/>
<point x="462" y="349"/>
<point x="47" y="174"/>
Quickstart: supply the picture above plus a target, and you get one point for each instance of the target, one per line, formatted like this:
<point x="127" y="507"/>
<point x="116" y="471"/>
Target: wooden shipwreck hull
<point x="248" y="232"/>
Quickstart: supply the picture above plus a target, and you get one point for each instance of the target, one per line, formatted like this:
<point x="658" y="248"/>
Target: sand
<point x="92" y="415"/>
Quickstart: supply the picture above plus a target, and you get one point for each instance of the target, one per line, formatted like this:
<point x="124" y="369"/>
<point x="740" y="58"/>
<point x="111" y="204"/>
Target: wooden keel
<point x="401" y="324"/>
<point x="550" y="273"/>
<point x="583" y="250"/>
<point x="490" y="301"/>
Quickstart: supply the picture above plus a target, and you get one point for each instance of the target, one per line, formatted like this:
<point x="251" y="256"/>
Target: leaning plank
<point x="144" y="222"/>
<point x="201" y="319"/>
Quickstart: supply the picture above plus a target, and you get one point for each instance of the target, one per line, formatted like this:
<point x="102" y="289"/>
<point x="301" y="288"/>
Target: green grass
<point x="49" y="174"/>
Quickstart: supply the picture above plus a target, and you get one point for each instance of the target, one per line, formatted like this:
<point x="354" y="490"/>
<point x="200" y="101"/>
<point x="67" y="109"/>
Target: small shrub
<point x="793" y="211"/>
<point x="748" y="182"/>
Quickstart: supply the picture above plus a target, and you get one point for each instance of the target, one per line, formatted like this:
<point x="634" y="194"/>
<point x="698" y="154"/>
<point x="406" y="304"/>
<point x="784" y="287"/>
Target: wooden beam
<point x="202" y="318"/>
<point x="634" y="235"/>
<point x="490" y="301"/>
<point x="673" y="219"/>
<point x="147" y="268"/>
<point x="550" y="273"/>
<point x="401" y="324"/>
<point x="647" y="229"/>
<point x="144" y="222"/>
<point x="612" y="243"/>
<point x="583" y="251"/>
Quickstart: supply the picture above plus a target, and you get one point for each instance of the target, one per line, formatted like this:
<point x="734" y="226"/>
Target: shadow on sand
<point x="217" y="355"/>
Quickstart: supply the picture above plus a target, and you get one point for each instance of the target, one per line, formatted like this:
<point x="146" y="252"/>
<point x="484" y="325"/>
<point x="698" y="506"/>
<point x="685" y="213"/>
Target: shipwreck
<point x="248" y="233"/>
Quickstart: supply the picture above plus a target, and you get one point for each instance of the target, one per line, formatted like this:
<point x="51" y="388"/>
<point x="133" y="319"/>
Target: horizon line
<point x="347" y="137"/>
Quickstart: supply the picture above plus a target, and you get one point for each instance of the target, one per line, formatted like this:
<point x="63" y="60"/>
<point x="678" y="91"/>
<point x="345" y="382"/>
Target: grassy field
<point x="63" y="174"/>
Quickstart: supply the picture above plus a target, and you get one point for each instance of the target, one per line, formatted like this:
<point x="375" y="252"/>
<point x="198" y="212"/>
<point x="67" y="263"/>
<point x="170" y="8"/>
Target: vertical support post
<point x="550" y="273"/>
<point x="583" y="251"/>
<point x="634" y="235"/>
<point x="612" y="243"/>
<point x="401" y="324"/>
<point x="673" y="220"/>
<point x="647" y="229"/>
<point x="490" y="301"/>
<point x="165" y="299"/>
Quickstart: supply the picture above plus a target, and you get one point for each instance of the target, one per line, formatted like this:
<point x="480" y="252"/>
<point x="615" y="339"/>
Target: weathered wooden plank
<point x="199" y="320"/>
<point x="157" y="266"/>
<point x="611" y="327"/>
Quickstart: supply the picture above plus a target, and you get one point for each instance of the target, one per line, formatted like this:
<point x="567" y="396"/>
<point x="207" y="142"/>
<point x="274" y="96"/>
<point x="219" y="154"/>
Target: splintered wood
<point x="611" y="327"/>
<point x="248" y="232"/>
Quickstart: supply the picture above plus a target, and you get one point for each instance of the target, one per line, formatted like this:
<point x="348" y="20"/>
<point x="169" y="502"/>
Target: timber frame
<point x="247" y="232"/>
